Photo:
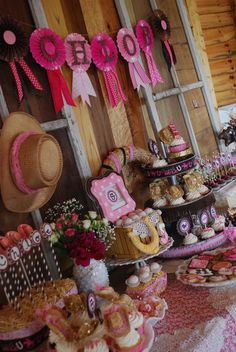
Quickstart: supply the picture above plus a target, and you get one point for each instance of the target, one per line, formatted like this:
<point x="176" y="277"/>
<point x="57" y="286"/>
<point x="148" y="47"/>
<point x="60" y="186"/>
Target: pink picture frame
<point x="112" y="196"/>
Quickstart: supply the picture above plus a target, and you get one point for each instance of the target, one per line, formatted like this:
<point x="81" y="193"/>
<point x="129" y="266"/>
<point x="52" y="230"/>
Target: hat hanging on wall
<point x="31" y="163"/>
<point x="13" y="48"/>
<point x="161" y="27"/>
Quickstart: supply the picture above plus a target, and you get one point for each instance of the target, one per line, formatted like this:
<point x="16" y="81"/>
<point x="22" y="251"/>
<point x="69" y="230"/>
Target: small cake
<point x="208" y="232"/>
<point x="190" y="238"/>
<point x="201" y="188"/>
<point x="177" y="145"/>
<point x="159" y="203"/>
<point x="155" y="286"/>
<point x="191" y="186"/>
<point x="219" y="224"/>
<point x="175" y="195"/>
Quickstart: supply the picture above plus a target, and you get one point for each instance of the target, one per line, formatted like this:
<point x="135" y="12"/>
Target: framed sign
<point x="112" y="196"/>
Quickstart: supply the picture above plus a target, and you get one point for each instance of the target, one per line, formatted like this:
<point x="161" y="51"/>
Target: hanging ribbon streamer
<point x="78" y="58"/>
<point x="48" y="51"/>
<point x="129" y="49"/>
<point x="105" y="56"/>
<point x="146" y="42"/>
<point x="161" y="26"/>
<point x="13" y="48"/>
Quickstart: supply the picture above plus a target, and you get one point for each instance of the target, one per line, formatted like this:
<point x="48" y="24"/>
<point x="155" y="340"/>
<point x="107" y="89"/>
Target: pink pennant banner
<point x="129" y="49"/>
<point x="146" y="42"/>
<point x="78" y="58"/>
<point x="59" y="88"/>
<point x="105" y="56"/>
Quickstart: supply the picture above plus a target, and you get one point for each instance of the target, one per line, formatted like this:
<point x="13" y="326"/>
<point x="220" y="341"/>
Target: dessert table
<point x="197" y="320"/>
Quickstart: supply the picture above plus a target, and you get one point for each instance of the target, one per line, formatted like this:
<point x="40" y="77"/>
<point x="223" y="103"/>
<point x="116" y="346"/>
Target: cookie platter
<point x="216" y="268"/>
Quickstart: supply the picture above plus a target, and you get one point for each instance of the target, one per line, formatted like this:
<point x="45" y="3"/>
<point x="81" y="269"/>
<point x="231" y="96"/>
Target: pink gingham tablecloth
<point x="197" y="320"/>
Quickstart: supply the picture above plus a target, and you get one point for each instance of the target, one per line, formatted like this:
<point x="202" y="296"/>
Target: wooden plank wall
<point x="103" y="128"/>
<point x="169" y="109"/>
<point x="217" y="18"/>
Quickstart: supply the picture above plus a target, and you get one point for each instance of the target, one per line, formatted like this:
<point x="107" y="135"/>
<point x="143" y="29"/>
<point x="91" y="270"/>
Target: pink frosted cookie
<point x="198" y="263"/>
<point x="218" y="278"/>
<point x="221" y="265"/>
<point x="225" y="271"/>
<point x="193" y="278"/>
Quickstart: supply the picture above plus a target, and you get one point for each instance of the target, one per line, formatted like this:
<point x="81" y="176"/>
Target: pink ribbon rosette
<point x="48" y="51"/>
<point x="129" y="49"/>
<point x="105" y="56"/>
<point x="13" y="48"/>
<point x="146" y="42"/>
<point x="78" y="58"/>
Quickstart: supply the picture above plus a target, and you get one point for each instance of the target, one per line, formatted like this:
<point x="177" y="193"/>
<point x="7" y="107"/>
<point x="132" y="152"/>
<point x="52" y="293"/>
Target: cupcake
<point x="219" y="224"/>
<point x="155" y="267"/>
<point x="208" y="232"/>
<point x="155" y="286"/>
<point x="190" y="238"/>
<point x="203" y="189"/>
<point x="136" y="320"/>
<point x="193" y="195"/>
<point x="96" y="345"/>
<point x="132" y="342"/>
<point x="161" y="202"/>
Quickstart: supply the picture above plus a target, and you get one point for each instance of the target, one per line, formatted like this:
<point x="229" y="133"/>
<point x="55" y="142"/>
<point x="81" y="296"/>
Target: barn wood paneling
<point x="217" y="19"/>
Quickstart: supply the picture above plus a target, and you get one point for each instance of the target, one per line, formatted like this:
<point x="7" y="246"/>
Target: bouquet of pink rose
<point x="81" y="237"/>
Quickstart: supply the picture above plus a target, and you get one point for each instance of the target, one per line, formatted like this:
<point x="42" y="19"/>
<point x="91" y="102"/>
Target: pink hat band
<point x="16" y="170"/>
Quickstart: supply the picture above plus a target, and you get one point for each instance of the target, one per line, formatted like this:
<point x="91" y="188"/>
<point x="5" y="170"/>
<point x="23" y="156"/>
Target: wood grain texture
<point x="126" y="119"/>
<point x="217" y="20"/>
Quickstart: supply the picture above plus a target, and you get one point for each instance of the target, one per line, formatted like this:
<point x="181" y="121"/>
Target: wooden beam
<point x="175" y="91"/>
<point x="195" y="24"/>
<point x="79" y="117"/>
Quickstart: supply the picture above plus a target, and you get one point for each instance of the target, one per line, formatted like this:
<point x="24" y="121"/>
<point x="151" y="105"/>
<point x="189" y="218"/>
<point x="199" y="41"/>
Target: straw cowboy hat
<point x="30" y="163"/>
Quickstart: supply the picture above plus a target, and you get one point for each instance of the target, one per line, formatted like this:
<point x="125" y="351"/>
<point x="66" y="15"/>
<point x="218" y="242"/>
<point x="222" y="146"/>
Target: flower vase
<point x="88" y="278"/>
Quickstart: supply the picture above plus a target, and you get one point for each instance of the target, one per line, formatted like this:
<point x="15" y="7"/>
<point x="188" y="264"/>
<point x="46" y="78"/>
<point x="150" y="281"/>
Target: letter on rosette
<point x="105" y="56"/>
<point x="129" y="49"/>
<point x="48" y="50"/>
<point x="146" y="42"/>
<point x="78" y="58"/>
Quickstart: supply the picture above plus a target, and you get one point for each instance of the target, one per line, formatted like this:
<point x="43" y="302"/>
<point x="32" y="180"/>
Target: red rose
<point x="70" y="232"/>
<point x="74" y="217"/>
<point x="59" y="225"/>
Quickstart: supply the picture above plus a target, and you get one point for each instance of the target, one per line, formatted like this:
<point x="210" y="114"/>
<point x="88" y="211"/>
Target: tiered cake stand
<point x="172" y="215"/>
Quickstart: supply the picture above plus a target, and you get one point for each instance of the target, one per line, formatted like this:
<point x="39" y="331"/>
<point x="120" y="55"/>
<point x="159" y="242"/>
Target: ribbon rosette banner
<point x="13" y="48"/>
<point x="129" y="49"/>
<point x="162" y="27"/>
<point x="48" y="51"/>
<point x="146" y="42"/>
<point x="105" y="56"/>
<point x="78" y="58"/>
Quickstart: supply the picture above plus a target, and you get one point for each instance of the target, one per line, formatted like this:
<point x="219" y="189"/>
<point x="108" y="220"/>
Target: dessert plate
<point x="186" y="251"/>
<point x="218" y="260"/>
<point x="149" y="337"/>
